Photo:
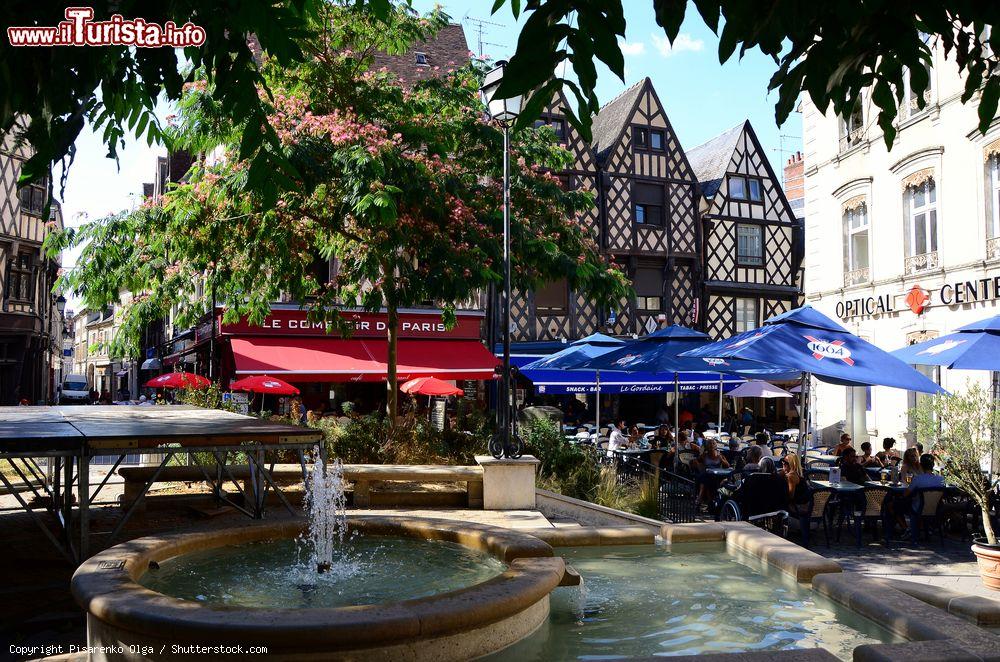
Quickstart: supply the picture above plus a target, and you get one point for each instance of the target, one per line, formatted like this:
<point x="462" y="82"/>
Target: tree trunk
<point x="392" y="335"/>
<point x="991" y="537"/>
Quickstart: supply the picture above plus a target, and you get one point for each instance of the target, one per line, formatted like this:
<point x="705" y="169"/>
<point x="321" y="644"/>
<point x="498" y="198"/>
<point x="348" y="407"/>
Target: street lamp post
<point x="504" y="112"/>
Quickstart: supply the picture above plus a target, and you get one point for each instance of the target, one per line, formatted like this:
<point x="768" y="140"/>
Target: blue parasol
<point x="974" y="346"/>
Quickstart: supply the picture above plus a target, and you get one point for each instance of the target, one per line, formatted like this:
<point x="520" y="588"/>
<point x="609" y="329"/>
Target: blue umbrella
<point x="805" y="340"/>
<point x="579" y="351"/>
<point x="661" y="352"/>
<point x="974" y="346"/>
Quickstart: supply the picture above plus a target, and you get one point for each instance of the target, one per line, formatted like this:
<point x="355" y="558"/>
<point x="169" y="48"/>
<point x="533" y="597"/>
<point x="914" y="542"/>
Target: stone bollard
<point x="508" y="484"/>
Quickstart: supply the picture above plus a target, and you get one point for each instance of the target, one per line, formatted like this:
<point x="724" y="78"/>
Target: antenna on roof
<point x="479" y="26"/>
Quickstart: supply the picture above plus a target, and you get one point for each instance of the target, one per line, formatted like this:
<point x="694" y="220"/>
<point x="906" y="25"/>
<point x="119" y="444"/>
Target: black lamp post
<point x="504" y="111"/>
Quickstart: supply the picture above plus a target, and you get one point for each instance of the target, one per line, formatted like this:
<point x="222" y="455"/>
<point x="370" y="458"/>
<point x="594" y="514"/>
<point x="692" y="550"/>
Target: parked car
<point x="74" y="391"/>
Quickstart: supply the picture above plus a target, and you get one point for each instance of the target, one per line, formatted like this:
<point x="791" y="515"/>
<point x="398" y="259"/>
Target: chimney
<point x="795" y="182"/>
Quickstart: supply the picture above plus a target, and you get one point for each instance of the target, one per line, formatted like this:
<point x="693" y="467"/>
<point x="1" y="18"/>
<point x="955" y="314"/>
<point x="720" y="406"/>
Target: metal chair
<point x="926" y="513"/>
<point x="873" y="510"/>
<point x="815" y="512"/>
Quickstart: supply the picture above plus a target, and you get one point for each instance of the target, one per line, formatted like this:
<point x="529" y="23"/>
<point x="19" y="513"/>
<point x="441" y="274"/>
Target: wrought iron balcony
<point x="993" y="248"/>
<point x="923" y="262"/>
<point x="856" y="276"/>
<point x="852" y="139"/>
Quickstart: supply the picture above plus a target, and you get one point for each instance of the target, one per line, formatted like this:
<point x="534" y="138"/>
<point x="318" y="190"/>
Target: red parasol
<point x="264" y="384"/>
<point x="430" y="386"/>
<point x="178" y="380"/>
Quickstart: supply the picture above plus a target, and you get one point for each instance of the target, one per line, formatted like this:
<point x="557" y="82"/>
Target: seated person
<point x="710" y="458"/>
<point x="850" y="469"/>
<point x="888" y="453"/>
<point x="798" y="490"/>
<point x="634" y="437"/>
<point x="909" y="466"/>
<point x="925" y="480"/>
<point x="733" y="455"/>
<point x="867" y="459"/>
<point x="762" y="492"/>
<point x="762" y="441"/>
<point x="662" y="438"/>
<point x="754" y="454"/>
<point x="843" y="445"/>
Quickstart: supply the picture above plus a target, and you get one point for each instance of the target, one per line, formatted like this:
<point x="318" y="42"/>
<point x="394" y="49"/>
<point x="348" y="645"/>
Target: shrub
<point x="645" y="499"/>
<point x="563" y="468"/>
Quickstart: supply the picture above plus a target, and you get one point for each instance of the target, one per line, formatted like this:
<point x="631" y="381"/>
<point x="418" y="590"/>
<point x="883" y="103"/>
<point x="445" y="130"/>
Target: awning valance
<point x="347" y="360"/>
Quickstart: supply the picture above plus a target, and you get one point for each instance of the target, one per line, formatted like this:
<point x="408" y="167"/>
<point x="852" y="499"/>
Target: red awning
<point x="340" y="360"/>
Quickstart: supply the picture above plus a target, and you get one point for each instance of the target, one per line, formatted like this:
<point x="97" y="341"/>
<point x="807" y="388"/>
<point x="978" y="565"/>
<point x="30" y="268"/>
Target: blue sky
<point x="701" y="97"/>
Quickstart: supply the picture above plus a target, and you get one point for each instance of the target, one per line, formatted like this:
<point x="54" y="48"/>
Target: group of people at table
<point x="722" y="473"/>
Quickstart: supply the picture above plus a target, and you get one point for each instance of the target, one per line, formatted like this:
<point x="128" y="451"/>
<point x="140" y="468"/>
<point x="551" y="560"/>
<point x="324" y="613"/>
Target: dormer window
<point x="420" y="59"/>
<point x="640" y="137"/>
<point x="656" y="140"/>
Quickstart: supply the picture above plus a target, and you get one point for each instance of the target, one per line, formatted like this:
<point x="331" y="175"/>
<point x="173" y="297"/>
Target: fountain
<point x="328" y="587"/>
<point x="326" y="505"/>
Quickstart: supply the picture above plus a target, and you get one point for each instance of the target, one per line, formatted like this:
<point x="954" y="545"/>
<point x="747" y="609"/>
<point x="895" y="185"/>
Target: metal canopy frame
<point x="71" y="436"/>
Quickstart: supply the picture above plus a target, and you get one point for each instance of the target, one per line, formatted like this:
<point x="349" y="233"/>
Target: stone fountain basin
<point x="130" y="622"/>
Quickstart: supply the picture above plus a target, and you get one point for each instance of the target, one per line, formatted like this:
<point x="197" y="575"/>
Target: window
<point x="648" y="283"/>
<point x="852" y="128"/>
<point x="21" y="282"/>
<point x="552" y="298"/>
<point x="33" y="197"/>
<point x="755" y="189"/>
<point x="746" y="314"/>
<point x="567" y="182"/>
<point x="911" y="104"/>
<point x="737" y="187"/>
<point x="749" y="245"/>
<point x="993" y="195"/>
<point x="420" y="58"/>
<point x="557" y="124"/>
<point x="656" y="140"/>
<point x="640" y="137"/>
<point x="648" y="204"/>
<point x="920" y="205"/>
<point x="855" y="235"/>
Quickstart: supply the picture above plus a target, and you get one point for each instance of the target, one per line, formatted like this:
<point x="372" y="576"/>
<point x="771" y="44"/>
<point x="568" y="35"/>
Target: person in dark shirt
<point x="851" y="469"/>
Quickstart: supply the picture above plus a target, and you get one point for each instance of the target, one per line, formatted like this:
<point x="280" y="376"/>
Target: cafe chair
<point x="873" y="510"/>
<point x="926" y="513"/>
<point x="814" y="514"/>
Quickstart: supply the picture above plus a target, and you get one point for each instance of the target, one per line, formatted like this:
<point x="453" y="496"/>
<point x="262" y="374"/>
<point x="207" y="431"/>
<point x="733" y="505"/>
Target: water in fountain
<point x="326" y="505"/>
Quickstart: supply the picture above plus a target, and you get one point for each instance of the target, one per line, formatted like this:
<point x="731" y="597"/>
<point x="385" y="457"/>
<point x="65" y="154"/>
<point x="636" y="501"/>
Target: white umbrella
<point x="758" y="389"/>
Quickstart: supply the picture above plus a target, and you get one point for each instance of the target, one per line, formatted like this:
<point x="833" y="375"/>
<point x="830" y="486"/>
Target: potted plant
<point x="964" y="429"/>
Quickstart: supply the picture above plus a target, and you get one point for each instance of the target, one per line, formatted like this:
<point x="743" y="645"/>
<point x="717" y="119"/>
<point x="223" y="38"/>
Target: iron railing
<point x="922" y="262"/>
<point x="675" y="493"/>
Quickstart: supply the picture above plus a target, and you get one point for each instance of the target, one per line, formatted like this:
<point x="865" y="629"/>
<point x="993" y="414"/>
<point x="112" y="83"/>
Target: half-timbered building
<point x="751" y="233"/>
<point x="29" y="316"/>
<point x="645" y="218"/>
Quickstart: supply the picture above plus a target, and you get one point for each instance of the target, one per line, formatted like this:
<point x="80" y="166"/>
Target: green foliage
<point x="209" y="398"/>
<point x="564" y="468"/>
<point x="610" y="493"/>
<point x="370" y="440"/>
<point x="964" y="427"/>
<point x="400" y="184"/>
<point x="831" y="50"/>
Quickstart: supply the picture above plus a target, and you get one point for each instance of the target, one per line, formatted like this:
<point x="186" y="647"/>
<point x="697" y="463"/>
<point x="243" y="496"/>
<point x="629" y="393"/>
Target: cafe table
<point x="900" y="487"/>
<point x="829" y="459"/>
<point x="842" y="486"/>
<point x="721" y="472"/>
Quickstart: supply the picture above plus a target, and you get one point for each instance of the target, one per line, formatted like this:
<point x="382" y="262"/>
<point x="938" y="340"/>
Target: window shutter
<point x="648" y="281"/>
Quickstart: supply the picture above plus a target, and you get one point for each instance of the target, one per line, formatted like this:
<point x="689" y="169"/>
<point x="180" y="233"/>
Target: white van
<point x="74" y="391"/>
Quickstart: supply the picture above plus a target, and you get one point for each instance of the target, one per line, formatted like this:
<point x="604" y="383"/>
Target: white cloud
<point x="683" y="42"/>
<point x="634" y="48"/>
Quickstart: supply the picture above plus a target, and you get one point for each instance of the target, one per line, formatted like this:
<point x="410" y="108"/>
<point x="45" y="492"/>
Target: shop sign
<point x="970" y="291"/>
<point x="865" y="306"/>
<point x="295" y="322"/>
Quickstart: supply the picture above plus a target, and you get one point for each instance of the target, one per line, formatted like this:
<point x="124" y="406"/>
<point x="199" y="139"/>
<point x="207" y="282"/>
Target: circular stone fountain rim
<point x="106" y="586"/>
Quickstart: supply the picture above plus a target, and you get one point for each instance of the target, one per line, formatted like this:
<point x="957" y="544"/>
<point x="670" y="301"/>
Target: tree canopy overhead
<point x="832" y="50"/>
<point x="400" y="184"/>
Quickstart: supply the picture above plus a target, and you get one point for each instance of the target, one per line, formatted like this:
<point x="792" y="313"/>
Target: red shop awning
<point x="340" y="360"/>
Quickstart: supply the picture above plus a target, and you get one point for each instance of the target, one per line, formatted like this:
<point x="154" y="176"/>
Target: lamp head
<point x="502" y="110"/>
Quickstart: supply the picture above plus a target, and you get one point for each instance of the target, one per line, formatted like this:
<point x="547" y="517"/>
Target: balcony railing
<point x="851" y="139"/>
<point x="856" y="276"/>
<point x="993" y="248"/>
<point x="922" y="262"/>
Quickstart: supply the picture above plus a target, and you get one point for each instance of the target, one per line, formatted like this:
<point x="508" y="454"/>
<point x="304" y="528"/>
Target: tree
<point x="832" y="50"/>
<point x="401" y="185"/>
<point x="964" y="429"/>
